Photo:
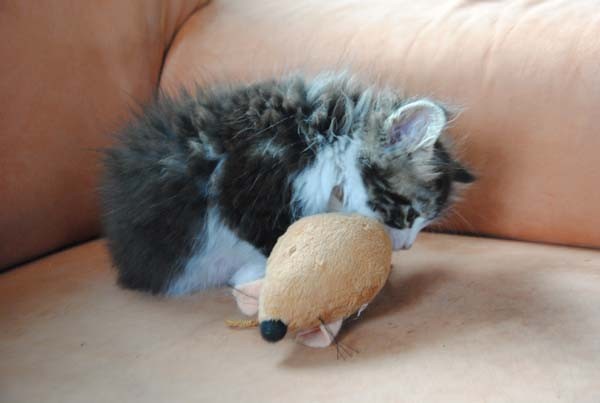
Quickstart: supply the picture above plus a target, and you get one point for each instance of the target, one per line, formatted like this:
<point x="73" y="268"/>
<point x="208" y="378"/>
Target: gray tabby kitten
<point x="200" y="186"/>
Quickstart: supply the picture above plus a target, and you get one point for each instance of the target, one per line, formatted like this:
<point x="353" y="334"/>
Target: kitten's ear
<point x="415" y="126"/>
<point x="462" y="174"/>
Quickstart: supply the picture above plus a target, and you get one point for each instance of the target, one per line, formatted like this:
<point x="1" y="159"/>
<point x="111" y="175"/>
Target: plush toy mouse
<point x="324" y="269"/>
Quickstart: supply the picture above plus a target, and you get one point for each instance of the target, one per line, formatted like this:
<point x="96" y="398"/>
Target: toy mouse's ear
<point x="321" y="336"/>
<point x="246" y="297"/>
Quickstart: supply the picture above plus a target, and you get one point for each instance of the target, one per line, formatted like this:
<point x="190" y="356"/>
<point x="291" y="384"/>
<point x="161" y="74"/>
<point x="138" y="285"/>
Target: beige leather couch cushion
<point x="462" y="320"/>
<point x="70" y="71"/>
<point x="526" y="73"/>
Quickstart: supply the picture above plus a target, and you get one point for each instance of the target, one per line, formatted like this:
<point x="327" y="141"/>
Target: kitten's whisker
<point x="470" y="226"/>
<point x="274" y="124"/>
<point x="237" y="134"/>
<point x="254" y="134"/>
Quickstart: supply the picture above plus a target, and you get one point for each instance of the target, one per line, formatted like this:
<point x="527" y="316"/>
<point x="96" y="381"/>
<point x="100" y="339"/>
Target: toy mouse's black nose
<point x="273" y="330"/>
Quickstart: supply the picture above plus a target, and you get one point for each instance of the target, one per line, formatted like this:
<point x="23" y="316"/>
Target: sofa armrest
<point x="70" y="73"/>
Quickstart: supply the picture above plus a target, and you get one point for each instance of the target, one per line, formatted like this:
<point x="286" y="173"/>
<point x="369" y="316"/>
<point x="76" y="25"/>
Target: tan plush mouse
<point x="322" y="270"/>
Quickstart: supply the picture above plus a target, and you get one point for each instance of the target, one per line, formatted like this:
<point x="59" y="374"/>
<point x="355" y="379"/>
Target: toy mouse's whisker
<point x="342" y="350"/>
<point x="347" y="351"/>
<point x="350" y="350"/>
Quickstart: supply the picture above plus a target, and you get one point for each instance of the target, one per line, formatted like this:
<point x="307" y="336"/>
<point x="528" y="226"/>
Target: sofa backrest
<point x="527" y="75"/>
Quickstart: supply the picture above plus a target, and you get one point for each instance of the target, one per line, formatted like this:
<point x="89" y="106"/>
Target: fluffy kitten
<point x="201" y="186"/>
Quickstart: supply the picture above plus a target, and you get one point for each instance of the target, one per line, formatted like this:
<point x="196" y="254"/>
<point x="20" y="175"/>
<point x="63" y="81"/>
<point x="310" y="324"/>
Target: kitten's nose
<point x="273" y="330"/>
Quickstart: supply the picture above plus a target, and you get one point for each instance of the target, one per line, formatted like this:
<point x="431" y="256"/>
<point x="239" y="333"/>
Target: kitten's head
<point x="409" y="172"/>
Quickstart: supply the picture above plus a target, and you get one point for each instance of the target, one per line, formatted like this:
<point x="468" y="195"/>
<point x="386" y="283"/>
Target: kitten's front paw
<point x="247" y="273"/>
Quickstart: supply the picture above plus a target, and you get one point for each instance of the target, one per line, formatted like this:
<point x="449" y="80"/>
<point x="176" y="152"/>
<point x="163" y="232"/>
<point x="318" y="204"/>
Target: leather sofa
<point x="501" y="302"/>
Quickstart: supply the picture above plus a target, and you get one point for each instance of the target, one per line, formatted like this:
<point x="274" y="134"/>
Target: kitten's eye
<point x="411" y="215"/>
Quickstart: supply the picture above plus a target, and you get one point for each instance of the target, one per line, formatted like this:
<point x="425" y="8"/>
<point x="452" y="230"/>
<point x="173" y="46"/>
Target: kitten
<point x="200" y="186"/>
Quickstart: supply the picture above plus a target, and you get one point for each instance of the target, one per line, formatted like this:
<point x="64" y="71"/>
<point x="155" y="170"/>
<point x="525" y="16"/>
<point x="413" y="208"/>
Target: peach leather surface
<point x="525" y="72"/>
<point x="70" y="72"/>
<point x="462" y="320"/>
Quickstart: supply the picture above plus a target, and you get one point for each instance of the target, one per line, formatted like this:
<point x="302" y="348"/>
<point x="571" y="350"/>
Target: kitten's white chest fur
<point x="335" y="165"/>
